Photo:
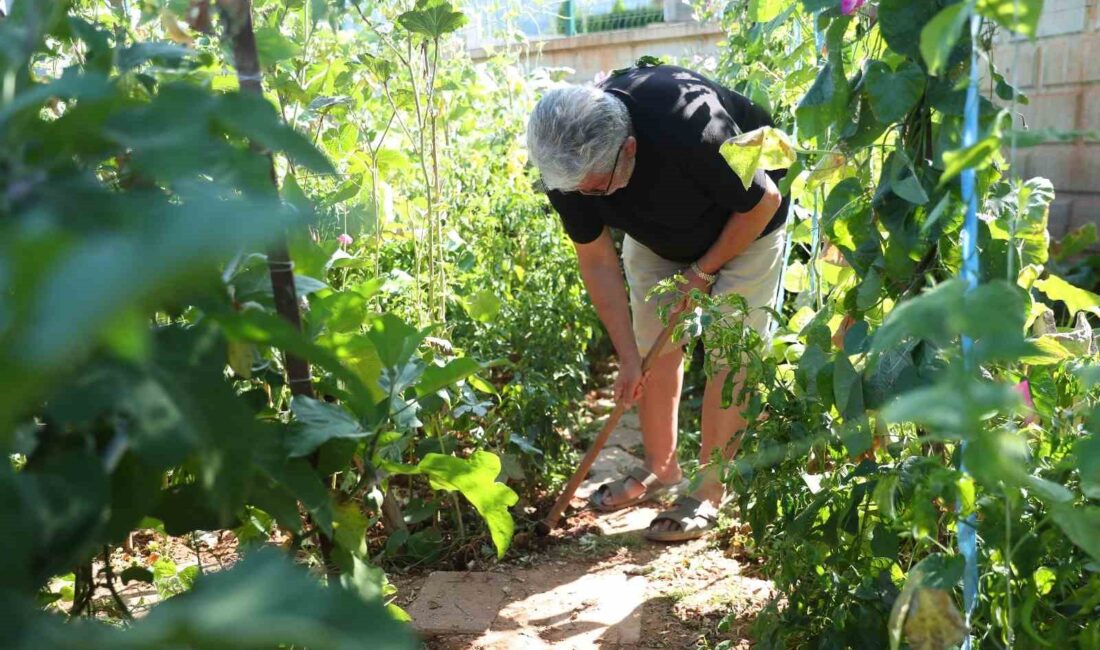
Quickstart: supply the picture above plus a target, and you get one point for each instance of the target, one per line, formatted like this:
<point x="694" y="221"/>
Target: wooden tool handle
<point x="566" y="496"/>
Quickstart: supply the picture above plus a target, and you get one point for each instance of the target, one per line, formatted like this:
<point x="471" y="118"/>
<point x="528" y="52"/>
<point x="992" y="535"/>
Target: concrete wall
<point x="588" y="54"/>
<point x="1060" y="74"/>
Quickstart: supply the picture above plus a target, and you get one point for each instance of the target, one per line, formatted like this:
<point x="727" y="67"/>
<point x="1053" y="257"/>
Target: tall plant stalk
<point x="237" y="15"/>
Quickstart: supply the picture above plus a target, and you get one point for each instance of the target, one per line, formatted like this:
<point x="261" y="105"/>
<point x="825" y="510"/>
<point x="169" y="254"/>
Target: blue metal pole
<point x="967" y="533"/>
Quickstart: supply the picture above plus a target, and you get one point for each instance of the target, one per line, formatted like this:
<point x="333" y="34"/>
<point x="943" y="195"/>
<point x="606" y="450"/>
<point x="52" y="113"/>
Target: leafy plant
<point x="852" y="485"/>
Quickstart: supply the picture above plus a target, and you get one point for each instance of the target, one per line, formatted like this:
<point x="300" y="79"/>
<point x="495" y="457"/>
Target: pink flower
<point x="345" y="240"/>
<point x="849" y="7"/>
<point x="1024" y="389"/>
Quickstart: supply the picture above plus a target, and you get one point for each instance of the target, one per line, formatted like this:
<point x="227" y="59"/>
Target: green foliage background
<point x="144" y="385"/>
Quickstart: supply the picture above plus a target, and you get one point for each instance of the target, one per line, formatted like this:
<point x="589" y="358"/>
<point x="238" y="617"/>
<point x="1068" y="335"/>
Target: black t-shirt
<point x="682" y="191"/>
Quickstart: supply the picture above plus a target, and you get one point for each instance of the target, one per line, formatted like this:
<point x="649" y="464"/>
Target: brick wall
<point x="1060" y="74"/>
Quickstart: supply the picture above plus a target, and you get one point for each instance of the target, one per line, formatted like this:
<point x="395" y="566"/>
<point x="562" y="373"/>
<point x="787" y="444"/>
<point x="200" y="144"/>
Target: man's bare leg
<point x="658" y="411"/>
<point x="721" y="430"/>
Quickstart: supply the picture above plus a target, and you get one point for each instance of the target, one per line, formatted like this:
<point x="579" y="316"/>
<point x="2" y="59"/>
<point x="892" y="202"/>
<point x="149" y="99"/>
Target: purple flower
<point x="345" y="240"/>
<point x="849" y="7"/>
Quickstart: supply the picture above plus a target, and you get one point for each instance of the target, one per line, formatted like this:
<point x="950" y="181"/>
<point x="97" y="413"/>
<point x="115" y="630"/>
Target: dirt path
<point x="602" y="585"/>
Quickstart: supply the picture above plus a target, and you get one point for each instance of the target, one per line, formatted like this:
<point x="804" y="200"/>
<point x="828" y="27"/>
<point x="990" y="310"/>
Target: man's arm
<point x="741" y="230"/>
<point x="603" y="277"/>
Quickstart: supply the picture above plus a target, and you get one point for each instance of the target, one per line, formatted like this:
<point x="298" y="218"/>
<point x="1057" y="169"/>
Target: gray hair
<point x="573" y="131"/>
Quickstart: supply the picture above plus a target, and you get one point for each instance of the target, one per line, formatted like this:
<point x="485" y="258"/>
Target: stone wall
<point x="1060" y="74"/>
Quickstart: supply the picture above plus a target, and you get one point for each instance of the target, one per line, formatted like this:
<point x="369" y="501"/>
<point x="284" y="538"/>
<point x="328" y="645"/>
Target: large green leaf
<point x="901" y="22"/>
<point x="1021" y="16"/>
<point x="317" y="423"/>
<point x="254" y="117"/>
<point x="943" y="314"/>
<point x="349" y="526"/>
<point x="433" y="21"/>
<point x="273" y="47"/>
<point x="53" y="513"/>
<point x="483" y="306"/>
<point x="766" y="148"/>
<point x="978" y="156"/>
<point x="893" y="93"/>
<point x="1081" y="526"/>
<point x="475" y="477"/>
<point x="952" y="408"/>
<point x="820" y="107"/>
<point x="939" y="36"/>
<point x="265" y="601"/>
<point x="1075" y="298"/>
<point x="435" y="378"/>
<point x="847" y="387"/>
<point x="132" y="267"/>
<point x="395" y="340"/>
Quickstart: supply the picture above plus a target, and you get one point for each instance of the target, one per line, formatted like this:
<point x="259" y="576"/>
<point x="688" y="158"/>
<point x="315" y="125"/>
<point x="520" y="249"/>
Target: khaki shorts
<point x="754" y="274"/>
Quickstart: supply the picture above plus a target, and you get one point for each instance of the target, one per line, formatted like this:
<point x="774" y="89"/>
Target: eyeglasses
<point x="606" y="190"/>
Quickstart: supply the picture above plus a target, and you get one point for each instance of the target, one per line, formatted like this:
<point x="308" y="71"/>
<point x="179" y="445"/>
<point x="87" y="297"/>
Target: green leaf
<point x="273" y="47"/>
<point x="762" y="11"/>
<point x="187" y="508"/>
<point x="825" y="102"/>
<point x="435" y="378"/>
<point x="1088" y="465"/>
<point x="1081" y="526"/>
<point x="395" y="340"/>
<point x="71" y="305"/>
<point x="892" y="94"/>
<point x="434" y="21"/>
<point x="254" y="117"/>
<point x="847" y="387"/>
<point x="904" y="180"/>
<point x="884" y="496"/>
<point x="301" y="480"/>
<point x="1075" y="298"/>
<point x="939" y="36"/>
<point x="1077" y="241"/>
<point x="1049" y="491"/>
<point x="764" y="148"/>
<point x="265" y="601"/>
<point x="953" y="409"/>
<point x="979" y="156"/>
<point x="139" y="573"/>
<point x="918" y="578"/>
<point x="349" y="528"/>
<point x="475" y="477"/>
<point x="902" y="21"/>
<point x="1021" y="16"/>
<point x="483" y="306"/>
<point x="996" y="457"/>
<point x="317" y="423"/>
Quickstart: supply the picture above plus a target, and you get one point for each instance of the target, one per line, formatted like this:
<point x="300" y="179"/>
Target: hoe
<point x="551" y="520"/>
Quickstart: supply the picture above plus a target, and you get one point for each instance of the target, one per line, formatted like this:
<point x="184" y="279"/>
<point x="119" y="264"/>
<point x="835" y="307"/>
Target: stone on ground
<point x="612" y="463"/>
<point x="625" y="438"/>
<point x="458" y="602"/>
<point x="548" y="607"/>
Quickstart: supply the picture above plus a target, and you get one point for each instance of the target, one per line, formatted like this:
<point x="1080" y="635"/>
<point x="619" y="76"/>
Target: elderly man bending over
<point x="640" y="152"/>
